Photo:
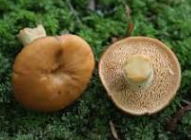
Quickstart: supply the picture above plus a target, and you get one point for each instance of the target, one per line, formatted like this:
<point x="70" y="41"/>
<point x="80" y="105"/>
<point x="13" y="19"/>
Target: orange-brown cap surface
<point x="146" y="97"/>
<point x="50" y="73"/>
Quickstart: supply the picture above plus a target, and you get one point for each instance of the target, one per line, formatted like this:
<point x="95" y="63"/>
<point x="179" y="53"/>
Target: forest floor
<point x="88" y="118"/>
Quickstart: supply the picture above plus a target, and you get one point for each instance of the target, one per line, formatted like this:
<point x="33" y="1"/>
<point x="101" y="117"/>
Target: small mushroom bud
<point x="51" y="72"/>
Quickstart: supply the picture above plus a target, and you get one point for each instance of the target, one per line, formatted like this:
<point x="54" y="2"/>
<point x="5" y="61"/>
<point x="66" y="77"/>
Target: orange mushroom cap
<point x="51" y="72"/>
<point x="140" y="74"/>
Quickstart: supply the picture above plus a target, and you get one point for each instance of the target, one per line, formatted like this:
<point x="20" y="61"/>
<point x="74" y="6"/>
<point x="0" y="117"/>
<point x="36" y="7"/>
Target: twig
<point x="171" y="126"/>
<point x="128" y="12"/>
<point x="128" y="16"/>
<point x="73" y="11"/>
<point x="113" y="131"/>
<point x="186" y="102"/>
<point x="130" y="25"/>
<point x="130" y="29"/>
<point x="91" y="5"/>
<point x="129" y="20"/>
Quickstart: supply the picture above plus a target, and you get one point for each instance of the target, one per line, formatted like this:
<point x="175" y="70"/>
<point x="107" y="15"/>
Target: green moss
<point x="88" y="118"/>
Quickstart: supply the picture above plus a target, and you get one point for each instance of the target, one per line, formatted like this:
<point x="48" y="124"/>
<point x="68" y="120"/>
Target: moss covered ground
<point x="88" y="118"/>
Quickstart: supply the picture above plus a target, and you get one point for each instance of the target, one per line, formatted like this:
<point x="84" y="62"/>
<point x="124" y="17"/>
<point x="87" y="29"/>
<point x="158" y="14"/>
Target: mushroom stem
<point x="138" y="71"/>
<point x="27" y="35"/>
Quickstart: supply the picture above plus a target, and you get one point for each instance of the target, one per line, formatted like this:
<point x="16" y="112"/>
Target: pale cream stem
<point x="138" y="71"/>
<point x="27" y="35"/>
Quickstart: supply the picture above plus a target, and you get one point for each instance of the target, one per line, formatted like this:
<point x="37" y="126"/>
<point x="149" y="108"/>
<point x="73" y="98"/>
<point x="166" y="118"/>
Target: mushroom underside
<point x="140" y="101"/>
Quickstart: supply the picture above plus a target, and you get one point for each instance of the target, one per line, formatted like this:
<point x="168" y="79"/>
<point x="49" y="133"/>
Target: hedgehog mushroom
<point x="140" y="74"/>
<point x="51" y="72"/>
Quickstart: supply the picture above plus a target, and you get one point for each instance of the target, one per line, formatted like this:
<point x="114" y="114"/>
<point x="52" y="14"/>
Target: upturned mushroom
<point x="140" y="74"/>
<point x="51" y="72"/>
